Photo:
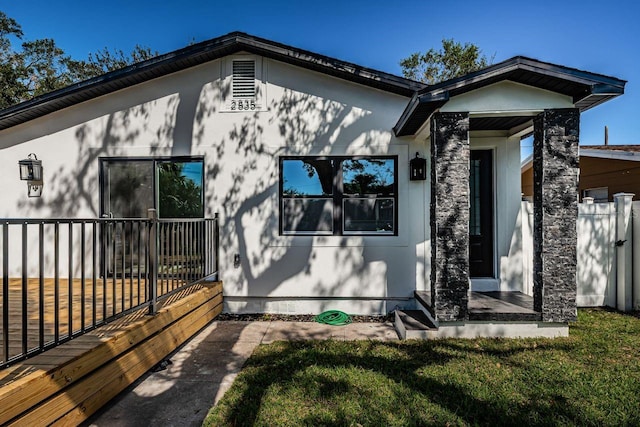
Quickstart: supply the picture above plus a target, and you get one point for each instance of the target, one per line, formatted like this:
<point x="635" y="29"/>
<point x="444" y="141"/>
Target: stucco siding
<point x="303" y="113"/>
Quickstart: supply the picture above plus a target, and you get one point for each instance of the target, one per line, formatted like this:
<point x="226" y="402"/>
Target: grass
<point x="590" y="378"/>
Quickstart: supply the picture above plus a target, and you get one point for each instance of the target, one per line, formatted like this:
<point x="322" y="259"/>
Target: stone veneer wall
<point x="555" y="201"/>
<point x="449" y="217"/>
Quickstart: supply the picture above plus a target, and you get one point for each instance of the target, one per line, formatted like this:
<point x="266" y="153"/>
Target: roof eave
<point x="419" y="110"/>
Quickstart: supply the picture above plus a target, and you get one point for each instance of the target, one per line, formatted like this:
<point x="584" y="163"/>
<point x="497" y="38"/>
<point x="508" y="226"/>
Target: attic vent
<point x="244" y="79"/>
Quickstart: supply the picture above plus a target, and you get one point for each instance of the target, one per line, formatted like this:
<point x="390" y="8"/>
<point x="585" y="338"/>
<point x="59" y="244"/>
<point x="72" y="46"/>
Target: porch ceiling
<point x="586" y="89"/>
<point x="497" y="123"/>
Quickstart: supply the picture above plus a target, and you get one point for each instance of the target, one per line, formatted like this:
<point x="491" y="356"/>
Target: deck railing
<point x="63" y="277"/>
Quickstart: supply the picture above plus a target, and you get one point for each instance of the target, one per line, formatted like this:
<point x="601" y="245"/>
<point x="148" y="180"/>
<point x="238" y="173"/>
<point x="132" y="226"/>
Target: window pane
<point x="180" y="189"/>
<point x="129" y="188"/>
<point x="310" y="177"/>
<point x="475" y="225"/>
<point x="368" y="215"/>
<point x="370" y="176"/>
<point x="307" y="215"/>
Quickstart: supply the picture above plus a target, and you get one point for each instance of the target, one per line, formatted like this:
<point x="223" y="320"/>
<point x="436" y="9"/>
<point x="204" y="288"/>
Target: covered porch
<point x="492" y="306"/>
<point x="505" y="102"/>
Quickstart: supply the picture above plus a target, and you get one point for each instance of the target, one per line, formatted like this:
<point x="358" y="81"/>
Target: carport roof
<point x="586" y="89"/>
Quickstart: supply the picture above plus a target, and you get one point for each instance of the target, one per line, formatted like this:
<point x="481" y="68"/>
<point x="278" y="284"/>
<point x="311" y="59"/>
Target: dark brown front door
<point x="481" y="213"/>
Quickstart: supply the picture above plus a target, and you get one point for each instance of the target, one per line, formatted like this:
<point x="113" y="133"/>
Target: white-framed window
<point x="244" y="76"/>
<point x="599" y="194"/>
<point x="338" y="195"/>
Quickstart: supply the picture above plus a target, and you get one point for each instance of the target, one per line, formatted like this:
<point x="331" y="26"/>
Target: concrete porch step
<point x="414" y="324"/>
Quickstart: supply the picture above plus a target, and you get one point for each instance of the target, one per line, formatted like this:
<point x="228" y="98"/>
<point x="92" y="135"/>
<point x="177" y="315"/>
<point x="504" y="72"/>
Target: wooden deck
<point x="65" y="385"/>
<point x="78" y="313"/>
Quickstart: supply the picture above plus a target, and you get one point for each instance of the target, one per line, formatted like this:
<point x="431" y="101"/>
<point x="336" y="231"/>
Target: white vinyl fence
<point x="608" y="270"/>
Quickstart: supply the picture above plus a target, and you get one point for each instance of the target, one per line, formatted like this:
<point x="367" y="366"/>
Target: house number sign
<point x="243" y="105"/>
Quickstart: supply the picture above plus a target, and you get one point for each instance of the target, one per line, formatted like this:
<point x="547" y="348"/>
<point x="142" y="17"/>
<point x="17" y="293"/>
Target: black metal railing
<point x="63" y="277"/>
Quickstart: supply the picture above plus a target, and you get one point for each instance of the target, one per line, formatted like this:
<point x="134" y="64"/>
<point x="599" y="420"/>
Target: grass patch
<point x="590" y="378"/>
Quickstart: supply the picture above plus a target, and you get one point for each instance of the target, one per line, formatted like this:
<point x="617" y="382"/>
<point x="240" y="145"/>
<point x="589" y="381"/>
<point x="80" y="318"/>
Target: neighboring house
<point x="307" y="160"/>
<point x="605" y="170"/>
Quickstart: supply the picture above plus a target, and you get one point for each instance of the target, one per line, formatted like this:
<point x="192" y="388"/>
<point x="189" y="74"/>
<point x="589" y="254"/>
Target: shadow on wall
<point x="305" y="124"/>
<point x="511" y="266"/>
<point x="596" y="279"/>
<point x="596" y="254"/>
<point x="129" y="125"/>
<point x="151" y="119"/>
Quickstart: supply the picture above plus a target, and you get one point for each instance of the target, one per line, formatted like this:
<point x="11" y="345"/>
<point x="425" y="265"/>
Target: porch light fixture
<point x="30" y="168"/>
<point x="418" y="168"/>
<point x="31" y="171"/>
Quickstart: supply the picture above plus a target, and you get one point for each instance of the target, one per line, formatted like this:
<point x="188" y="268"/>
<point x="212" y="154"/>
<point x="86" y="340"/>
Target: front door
<point x="481" y="214"/>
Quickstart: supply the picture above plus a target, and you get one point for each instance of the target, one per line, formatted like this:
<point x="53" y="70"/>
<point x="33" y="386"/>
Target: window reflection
<point x="338" y="195"/>
<point x="309" y="177"/>
<point x="180" y="189"/>
<point x="368" y="176"/>
<point x="371" y="214"/>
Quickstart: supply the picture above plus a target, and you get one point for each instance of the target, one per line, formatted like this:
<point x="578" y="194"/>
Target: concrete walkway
<point x="204" y="368"/>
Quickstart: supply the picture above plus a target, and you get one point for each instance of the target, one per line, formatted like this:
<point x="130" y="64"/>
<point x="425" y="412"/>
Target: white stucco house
<point x="306" y="159"/>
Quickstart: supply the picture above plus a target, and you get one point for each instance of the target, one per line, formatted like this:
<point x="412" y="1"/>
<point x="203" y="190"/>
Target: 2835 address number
<point x="244" y="104"/>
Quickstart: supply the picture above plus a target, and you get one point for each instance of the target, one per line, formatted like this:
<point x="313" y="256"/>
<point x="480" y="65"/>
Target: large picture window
<point x="338" y="195"/>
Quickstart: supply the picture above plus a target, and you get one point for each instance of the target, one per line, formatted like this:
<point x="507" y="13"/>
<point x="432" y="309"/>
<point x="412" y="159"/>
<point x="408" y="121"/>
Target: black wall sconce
<point x="30" y="168"/>
<point x="418" y="168"/>
<point x="31" y="171"/>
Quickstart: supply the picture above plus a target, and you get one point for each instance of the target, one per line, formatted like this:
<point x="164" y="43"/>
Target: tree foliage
<point x="452" y="60"/>
<point x="39" y="66"/>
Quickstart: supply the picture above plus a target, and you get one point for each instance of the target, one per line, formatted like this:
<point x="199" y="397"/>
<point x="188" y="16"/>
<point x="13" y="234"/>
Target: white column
<point x="624" y="267"/>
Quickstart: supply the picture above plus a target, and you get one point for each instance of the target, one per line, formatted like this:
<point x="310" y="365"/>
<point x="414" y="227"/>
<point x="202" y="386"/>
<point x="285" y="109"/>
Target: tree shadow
<point x="509" y="382"/>
<point x="301" y="368"/>
<point x="300" y="123"/>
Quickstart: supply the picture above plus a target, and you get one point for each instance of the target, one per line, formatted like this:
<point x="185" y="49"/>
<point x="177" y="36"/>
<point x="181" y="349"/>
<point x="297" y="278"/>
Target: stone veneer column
<point x="449" y="218"/>
<point x="555" y="212"/>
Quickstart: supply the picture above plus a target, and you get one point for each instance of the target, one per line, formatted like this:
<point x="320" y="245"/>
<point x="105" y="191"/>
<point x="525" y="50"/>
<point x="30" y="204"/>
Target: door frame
<point x="105" y="262"/>
<point x="154" y="159"/>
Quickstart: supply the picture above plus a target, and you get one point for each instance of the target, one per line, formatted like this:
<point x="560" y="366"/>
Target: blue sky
<point x="597" y="36"/>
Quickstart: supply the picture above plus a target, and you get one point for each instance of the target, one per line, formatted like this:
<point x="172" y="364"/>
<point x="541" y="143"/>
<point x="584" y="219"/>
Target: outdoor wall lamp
<point x="31" y="171"/>
<point x="30" y="168"/>
<point x="418" y="168"/>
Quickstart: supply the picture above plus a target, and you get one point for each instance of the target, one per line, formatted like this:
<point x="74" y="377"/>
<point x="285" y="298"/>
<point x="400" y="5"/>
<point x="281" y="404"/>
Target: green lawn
<point x="590" y="378"/>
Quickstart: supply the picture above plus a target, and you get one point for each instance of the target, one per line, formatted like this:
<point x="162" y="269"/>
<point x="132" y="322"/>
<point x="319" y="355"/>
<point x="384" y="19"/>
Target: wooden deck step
<point x="67" y="384"/>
